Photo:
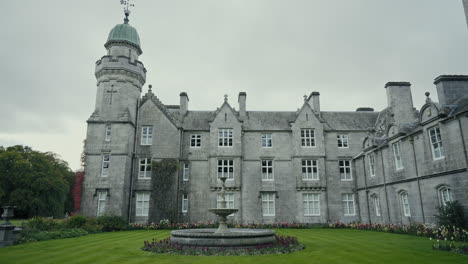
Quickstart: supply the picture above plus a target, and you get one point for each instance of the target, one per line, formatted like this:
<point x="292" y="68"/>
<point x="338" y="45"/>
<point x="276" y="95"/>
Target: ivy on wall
<point x="164" y="190"/>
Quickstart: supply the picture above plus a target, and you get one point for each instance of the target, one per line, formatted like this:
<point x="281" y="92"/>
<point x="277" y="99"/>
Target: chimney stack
<point x="183" y="103"/>
<point x="400" y="100"/>
<point x="241" y="99"/>
<point x="450" y="88"/>
<point x="315" y="100"/>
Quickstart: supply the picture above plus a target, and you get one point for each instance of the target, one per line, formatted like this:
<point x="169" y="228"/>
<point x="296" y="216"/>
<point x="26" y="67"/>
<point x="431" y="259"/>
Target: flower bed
<point x="283" y="245"/>
<point x="165" y="224"/>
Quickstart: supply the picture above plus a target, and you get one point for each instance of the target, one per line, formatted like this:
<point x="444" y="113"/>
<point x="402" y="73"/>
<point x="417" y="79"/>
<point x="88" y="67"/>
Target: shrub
<point x="451" y="214"/>
<point x="32" y="236"/>
<point x="42" y="224"/>
<point x="112" y="223"/>
<point x="76" y="221"/>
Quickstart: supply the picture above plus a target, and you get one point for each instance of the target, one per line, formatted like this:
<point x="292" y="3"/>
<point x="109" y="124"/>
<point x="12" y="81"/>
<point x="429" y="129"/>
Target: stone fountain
<point x="223" y="236"/>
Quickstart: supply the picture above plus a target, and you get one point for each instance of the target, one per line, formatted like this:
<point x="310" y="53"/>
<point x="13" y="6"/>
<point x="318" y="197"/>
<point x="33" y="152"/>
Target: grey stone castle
<point x="312" y="166"/>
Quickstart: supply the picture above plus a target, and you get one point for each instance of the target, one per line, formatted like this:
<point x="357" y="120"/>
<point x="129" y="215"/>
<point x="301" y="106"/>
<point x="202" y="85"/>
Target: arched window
<point x="404" y="201"/>
<point x="445" y="194"/>
<point x="376" y="201"/>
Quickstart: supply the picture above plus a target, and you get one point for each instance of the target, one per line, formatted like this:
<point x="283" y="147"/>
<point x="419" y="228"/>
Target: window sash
<point x="436" y="143"/>
<point x="268" y="204"/>
<point x="267" y="141"/>
<point x="405" y="204"/>
<point x="310" y="170"/>
<point x="267" y="170"/>
<point x="311" y="203"/>
<point x="307" y="137"/>
<point x="105" y="165"/>
<point x="229" y="200"/>
<point x="185" y="171"/>
<point x="108" y="133"/>
<point x="195" y="140"/>
<point x="142" y="204"/>
<point x="342" y="141"/>
<point x="101" y="206"/>
<point x="397" y="156"/>
<point x="371" y="158"/>
<point x="185" y="203"/>
<point x="445" y="195"/>
<point x="225" y="137"/>
<point x="377" y="205"/>
<point x="146" y="135"/>
<point x="348" y="204"/>
<point x="345" y="170"/>
<point x="145" y="169"/>
<point x="226" y="169"/>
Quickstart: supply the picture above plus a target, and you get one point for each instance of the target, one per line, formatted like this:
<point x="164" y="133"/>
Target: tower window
<point x="101" y="206"/>
<point x="308" y="137"/>
<point x="105" y="164"/>
<point x="185" y="203"/>
<point x="342" y="141"/>
<point x="146" y="135"/>
<point x="225" y="137"/>
<point x="185" y="171"/>
<point x="108" y="133"/>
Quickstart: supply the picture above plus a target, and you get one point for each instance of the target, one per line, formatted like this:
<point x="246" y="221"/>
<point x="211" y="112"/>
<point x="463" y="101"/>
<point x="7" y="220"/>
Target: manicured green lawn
<point x="322" y="246"/>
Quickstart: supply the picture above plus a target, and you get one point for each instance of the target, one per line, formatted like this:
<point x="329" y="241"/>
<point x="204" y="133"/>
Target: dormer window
<point x="436" y="143"/>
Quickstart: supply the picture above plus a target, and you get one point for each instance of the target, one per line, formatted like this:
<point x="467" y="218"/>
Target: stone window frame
<point x="101" y="202"/>
<point x="343" y="139"/>
<point x="436" y="143"/>
<point x="230" y="200"/>
<point x="343" y="167"/>
<point x="195" y="140"/>
<point x="267" y="140"/>
<point x="145" y="164"/>
<point x="107" y="132"/>
<point x="404" y="203"/>
<point x="347" y="200"/>
<point x="227" y="168"/>
<point x="105" y="164"/>
<point x="377" y="206"/>
<point x="147" y="135"/>
<point x="311" y="204"/>
<point x="396" y="150"/>
<point x="308" y="138"/>
<point x="307" y="167"/>
<point x="185" y="203"/>
<point x="268" y="203"/>
<point x="225" y="137"/>
<point x="444" y="193"/>
<point x="371" y="160"/>
<point x="267" y="170"/>
<point x="142" y="203"/>
<point x="185" y="171"/>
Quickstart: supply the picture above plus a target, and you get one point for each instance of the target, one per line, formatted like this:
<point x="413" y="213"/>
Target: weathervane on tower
<point x="126" y="4"/>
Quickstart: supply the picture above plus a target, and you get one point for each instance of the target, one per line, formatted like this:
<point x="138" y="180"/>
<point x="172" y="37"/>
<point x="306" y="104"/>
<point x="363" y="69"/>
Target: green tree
<point x="38" y="183"/>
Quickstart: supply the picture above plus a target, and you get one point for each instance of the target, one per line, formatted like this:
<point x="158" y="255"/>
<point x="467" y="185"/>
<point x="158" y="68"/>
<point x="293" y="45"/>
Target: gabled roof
<point x="349" y="120"/>
<point x="149" y="96"/>
<point x="269" y="120"/>
<point x="226" y="104"/>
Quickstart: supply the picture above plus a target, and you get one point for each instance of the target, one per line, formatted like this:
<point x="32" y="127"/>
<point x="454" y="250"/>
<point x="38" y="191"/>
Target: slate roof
<point x="349" y="120"/>
<point x="197" y="120"/>
<point x="269" y="120"/>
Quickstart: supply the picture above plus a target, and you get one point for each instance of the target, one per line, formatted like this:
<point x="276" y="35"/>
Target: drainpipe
<point x="365" y="186"/>
<point x="411" y="140"/>
<point x="132" y="165"/>
<point x="385" y="185"/>
<point x="463" y="141"/>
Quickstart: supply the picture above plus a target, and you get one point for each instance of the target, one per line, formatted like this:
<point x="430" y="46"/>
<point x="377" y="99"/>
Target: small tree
<point x="451" y="214"/>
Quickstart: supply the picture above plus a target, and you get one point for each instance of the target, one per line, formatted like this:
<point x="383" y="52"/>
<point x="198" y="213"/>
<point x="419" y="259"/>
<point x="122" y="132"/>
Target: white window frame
<point x="405" y="204"/>
<point x="108" y="133"/>
<point x="376" y="201"/>
<point x="343" y="167"/>
<point x="437" y="148"/>
<point x="146" y="135"/>
<point x="185" y="171"/>
<point x="310" y="170"/>
<point x="185" y="203"/>
<point x="343" y="140"/>
<point x="349" y="205"/>
<point x="267" y="170"/>
<point x="311" y="202"/>
<point x="142" y="203"/>
<point x="144" y="169"/>
<point x="105" y="165"/>
<point x="267" y="140"/>
<point x="371" y="159"/>
<point x="307" y="137"/>
<point x="226" y="168"/>
<point x="229" y="200"/>
<point x="195" y="140"/>
<point x="268" y="203"/>
<point x="445" y="195"/>
<point x="397" y="155"/>
<point x="225" y="137"/>
<point x="102" y="200"/>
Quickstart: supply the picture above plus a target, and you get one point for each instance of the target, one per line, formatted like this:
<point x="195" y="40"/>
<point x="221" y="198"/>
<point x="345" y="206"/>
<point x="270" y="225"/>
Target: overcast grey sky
<point x="275" y="50"/>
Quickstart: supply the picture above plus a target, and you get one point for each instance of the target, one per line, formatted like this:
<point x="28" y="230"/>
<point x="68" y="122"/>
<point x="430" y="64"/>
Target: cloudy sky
<point x="275" y="50"/>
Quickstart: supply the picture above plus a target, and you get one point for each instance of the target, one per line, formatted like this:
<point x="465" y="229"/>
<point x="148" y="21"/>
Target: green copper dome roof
<point x="124" y="33"/>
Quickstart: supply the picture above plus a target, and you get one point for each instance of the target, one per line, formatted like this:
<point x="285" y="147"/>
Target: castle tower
<point x="111" y="130"/>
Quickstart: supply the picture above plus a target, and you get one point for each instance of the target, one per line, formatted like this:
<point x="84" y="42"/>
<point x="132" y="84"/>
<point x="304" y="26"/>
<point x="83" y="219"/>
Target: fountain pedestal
<point x="7" y="237"/>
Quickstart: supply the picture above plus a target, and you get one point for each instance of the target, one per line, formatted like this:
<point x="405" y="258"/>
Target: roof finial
<point x="127" y="5"/>
<point x="225" y="98"/>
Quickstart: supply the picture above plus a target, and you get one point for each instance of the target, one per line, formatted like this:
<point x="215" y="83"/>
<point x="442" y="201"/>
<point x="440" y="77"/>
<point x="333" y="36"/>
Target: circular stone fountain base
<point x="236" y="237"/>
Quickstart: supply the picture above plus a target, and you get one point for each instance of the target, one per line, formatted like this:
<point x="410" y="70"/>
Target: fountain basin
<point x="237" y="237"/>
